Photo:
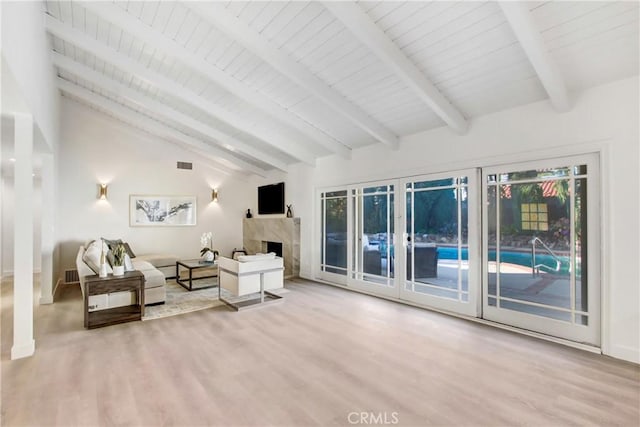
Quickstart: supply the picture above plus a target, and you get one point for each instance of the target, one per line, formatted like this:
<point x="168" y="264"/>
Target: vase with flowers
<point x="206" y="242"/>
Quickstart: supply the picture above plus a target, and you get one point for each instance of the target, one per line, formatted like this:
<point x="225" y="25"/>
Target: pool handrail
<point x="535" y="268"/>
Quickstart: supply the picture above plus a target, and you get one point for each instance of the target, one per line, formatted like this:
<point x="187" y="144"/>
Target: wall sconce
<point x="214" y="195"/>
<point x="102" y="191"/>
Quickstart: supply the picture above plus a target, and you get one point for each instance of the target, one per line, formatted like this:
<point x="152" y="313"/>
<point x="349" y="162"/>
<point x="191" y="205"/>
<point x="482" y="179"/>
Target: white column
<point x="46" y="273"/>
<point x="23" y="342"/>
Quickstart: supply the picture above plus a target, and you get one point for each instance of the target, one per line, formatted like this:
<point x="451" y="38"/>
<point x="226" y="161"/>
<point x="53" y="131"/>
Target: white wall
<point x="603" y="119"/>
<point x="95" y="148"/>
<point x="25" y="48"/>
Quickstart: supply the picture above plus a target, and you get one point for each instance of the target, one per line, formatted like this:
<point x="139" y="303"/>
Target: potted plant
<point x="207" y="254"/>
<point x="118" y="260"/>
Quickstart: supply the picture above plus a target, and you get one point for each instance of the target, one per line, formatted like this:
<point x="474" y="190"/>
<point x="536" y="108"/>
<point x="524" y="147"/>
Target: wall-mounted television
<point x="271" y="199"/>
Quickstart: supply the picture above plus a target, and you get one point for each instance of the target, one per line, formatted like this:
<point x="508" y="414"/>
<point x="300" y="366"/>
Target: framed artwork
<point x="156" y="211"/>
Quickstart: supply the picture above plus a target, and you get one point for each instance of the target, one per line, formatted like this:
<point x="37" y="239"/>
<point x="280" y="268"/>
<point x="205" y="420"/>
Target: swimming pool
<point x="511" y="257"/>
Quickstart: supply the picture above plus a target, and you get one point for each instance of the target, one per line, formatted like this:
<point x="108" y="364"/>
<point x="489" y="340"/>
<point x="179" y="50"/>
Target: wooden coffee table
<point x="194" y="264"/>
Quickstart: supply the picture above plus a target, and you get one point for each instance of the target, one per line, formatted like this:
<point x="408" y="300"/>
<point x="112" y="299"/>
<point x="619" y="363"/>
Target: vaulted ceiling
<point x="257" y="86"/>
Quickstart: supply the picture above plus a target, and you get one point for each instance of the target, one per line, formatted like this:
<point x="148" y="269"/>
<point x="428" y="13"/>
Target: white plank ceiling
<point x="256" y="86"/>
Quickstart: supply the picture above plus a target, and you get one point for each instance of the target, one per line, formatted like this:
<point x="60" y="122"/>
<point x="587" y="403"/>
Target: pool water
<point x="518" y="258"/>
<point x="510" y="257"/>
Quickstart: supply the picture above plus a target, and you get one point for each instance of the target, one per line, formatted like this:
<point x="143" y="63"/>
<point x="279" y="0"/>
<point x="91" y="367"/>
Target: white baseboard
<point x="46" y="299"/>
<point x="55" y="288"/>
<point x="26" y="350"/>
<point x="624" y="352"/>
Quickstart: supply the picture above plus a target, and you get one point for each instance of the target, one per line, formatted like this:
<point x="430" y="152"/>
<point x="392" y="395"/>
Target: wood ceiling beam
<point x="359" y="23"/>
<point x="268" y="52"/>
<point x="169" y="47"/>
<point x="164" y="84"/>
<point x="150" y="104"/>
<point x="139" y="120"/>
<point x="521" y="22"/>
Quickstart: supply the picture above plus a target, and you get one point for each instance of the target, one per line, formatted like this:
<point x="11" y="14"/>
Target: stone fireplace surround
<point x="256" y="232"/>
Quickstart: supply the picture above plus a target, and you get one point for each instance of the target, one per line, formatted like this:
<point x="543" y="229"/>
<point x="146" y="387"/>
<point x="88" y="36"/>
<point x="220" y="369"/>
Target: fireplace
<point x="258" y="232"/>
<point x="273" y="247"/>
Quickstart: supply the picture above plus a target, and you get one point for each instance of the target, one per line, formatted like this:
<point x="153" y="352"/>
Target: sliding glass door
<point x="333" y="251"/>
<point x="517" y="244"/>
<point x="441" y="241"/>
<point x="433" y="260"/>
<point x="373" y="238"/>
<point x="541" y="247"/>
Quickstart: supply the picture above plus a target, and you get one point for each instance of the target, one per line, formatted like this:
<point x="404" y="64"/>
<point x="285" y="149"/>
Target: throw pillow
<point x="128" y="265"/>
<point x="110" y="258"/>
<point x="127" y="248"/>
<point x="112" y="243"/>
<point x="92" y="256"/>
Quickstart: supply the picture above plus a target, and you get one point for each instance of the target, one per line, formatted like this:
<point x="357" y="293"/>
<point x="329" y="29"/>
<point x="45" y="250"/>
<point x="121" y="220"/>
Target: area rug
<point x="180" y="301"/>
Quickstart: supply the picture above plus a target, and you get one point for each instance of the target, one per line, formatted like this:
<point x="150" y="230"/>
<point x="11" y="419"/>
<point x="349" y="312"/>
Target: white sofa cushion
<point x="159" y="260"/>
<point x="83" y="268"/>
<point x="256" y="257"/>
<point x="153" y="278"/>
<point x="141" y="265"/>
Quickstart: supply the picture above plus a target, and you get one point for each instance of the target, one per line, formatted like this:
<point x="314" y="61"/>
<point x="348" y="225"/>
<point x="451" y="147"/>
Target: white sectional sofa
<point x="155" y="268"/>
<point x="166" y="263"/>
<point x="242" y="276"/>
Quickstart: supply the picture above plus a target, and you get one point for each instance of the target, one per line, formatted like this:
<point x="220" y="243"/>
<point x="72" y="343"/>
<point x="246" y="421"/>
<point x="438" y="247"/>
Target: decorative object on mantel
<point x="249" y="214"/>
<point x="206" y="242"/>
<point x="289" y="213"/>
<point x="118" y="260"/>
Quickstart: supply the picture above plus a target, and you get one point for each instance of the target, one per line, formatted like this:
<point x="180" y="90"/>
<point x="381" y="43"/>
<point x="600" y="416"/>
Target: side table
<point x="95" y="285"/>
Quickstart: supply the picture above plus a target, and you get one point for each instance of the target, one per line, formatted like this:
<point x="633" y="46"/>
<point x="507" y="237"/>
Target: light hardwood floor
<point x="321" y="357"/>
